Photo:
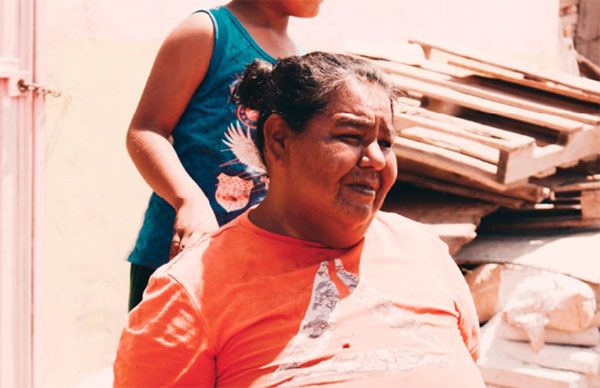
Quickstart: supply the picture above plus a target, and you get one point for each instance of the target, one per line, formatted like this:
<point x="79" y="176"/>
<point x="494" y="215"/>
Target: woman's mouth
<point x="364" y="189"/>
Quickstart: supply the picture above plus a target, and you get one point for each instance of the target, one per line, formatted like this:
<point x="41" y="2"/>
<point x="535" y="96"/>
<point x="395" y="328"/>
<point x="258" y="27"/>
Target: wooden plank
<point x="588" y="68"/>
<point x="469" y="192"/>
<point x="580" y="145"/>
<point x="542" y="136"/>
<point x="582" y="111"/>
<point x="541" y="224"/>
<point x="533" y="100"/>
<point x="583" y="186"/>
<point x="525" y="191"/>
<point x="585" y="85"/>
<point x="487" y="135"/>
<point x="566" y="181"/>
<point x="453" y="143"/>
<point x="480" y="104"/>
<point x="490" y="72"/>
<point x="484" y="92"/>
<point x="511" y="167"/>
<point x="445" y="68"/>
<point x="541" y="208"/>
<point x="443" y="159"/>
<point x="511" y="98"/>
<point x="590" y="204"/>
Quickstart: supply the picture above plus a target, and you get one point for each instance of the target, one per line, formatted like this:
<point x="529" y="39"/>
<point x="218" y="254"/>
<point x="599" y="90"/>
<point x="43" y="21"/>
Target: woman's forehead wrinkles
<point x="353" y="120"/>
<point x="361" y="122"/>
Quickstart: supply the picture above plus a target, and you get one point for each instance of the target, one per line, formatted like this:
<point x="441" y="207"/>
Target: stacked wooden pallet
<point x="487" y="128"/>
<point x="574" y="203"/>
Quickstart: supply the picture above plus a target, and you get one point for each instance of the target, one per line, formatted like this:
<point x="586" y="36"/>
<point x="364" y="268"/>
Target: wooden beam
<point x="469" y="192"/>
<point x="443" y="159"/>
<point x="563" y="79"/>
<point x="455" y="143"/>
<point x="494" y="137"/>
<point x="485" y="92"/>
<point x="490" y="72"/>
<point x="525" y="191"/>
<point x="556" y="123"/>
<point x="562" y="222"/>
<point x="590" y="204"/>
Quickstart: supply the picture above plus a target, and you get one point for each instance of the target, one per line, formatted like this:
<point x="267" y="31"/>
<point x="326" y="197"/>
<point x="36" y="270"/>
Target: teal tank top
<point x="214" y="140"/>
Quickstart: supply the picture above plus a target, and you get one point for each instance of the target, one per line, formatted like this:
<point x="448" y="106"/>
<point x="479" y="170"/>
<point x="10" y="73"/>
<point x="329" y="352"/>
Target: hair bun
<point x="252" y="88"/>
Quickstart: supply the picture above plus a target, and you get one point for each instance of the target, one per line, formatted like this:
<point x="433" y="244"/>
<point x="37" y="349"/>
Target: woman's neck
<point x="281" y="219"/>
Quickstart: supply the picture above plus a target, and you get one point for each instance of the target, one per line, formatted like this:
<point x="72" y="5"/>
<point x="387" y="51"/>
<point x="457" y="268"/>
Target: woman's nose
<point x="372" y="156"/>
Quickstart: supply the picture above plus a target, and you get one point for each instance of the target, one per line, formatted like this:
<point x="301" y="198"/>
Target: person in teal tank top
<point x="190" y="142"/>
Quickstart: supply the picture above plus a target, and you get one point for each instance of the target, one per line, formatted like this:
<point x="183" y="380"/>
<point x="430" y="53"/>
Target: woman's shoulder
<point x="397" y="221"/>
<point x="406" y="229"/>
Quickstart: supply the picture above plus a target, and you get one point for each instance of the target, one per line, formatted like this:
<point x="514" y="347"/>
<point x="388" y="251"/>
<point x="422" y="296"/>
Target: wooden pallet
<point x="488" y="129"/>
<point x="498" y="133"/>
<point x="493" y="149"/>
<point x="574" y="203"/>
<point x="527" y="192"/>
<point x="524" y="74"/>
<point x="463" y="191"/>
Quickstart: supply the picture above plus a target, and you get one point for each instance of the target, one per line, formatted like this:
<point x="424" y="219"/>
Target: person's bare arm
<point x="180" y="66"/>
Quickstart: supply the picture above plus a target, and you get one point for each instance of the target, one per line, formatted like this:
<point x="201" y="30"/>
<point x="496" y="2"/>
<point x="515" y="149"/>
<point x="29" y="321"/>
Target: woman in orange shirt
<point x="315" y="285"/>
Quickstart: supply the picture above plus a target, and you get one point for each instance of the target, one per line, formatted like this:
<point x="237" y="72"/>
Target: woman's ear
<point x="277" y="134"/>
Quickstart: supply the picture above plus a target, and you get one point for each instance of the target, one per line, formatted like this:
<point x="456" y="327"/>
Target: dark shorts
<point x="138" y="280"/>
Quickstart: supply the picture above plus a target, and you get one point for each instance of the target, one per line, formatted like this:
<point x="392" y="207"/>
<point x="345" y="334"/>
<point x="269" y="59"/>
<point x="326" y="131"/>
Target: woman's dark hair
<point x="297" y="88"/>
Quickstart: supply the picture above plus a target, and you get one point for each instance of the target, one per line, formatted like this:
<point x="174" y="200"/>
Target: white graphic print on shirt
<point x="318" y="325"/>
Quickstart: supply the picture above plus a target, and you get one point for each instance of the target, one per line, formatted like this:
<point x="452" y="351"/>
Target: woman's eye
<point x="350" y="138"/>
<point x="385" y="143"/>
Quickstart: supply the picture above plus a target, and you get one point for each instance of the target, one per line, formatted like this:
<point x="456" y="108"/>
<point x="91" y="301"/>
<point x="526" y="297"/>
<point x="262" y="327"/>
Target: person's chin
<point x="357" y="212"/>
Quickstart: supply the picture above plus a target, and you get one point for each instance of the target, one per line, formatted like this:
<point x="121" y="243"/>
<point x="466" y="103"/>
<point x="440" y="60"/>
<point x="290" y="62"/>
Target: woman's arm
<point x="180" y="66"/>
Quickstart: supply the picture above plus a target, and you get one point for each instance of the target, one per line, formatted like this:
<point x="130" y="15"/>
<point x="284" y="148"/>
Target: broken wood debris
<point x="574" y="203"/>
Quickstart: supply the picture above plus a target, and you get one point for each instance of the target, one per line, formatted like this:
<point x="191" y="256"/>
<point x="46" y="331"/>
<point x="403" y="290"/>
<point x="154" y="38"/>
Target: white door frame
<point x="20" y="200"/>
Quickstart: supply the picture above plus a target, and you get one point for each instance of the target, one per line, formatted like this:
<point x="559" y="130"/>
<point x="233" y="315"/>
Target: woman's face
<point x="342" y="165"/>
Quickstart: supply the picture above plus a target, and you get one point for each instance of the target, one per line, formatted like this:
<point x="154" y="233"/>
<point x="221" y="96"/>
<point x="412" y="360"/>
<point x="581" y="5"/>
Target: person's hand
<point x="192" y="222"/>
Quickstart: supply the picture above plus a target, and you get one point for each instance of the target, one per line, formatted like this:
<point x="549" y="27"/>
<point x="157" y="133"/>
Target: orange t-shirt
<point x="251" y="308"/>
